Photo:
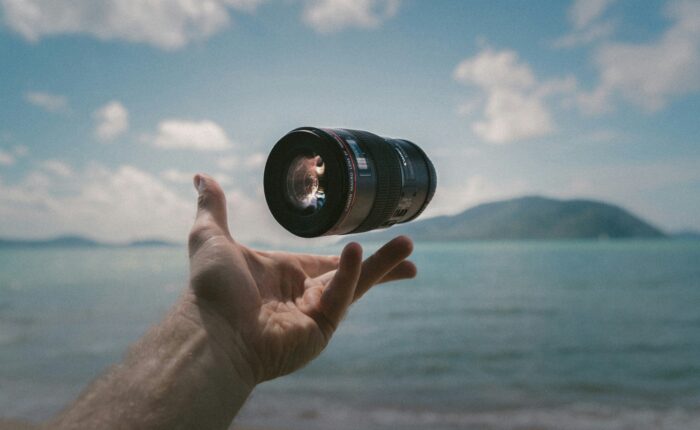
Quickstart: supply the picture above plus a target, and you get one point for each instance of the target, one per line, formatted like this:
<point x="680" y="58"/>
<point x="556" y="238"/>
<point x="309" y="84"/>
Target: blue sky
<point x="107" y="108"/>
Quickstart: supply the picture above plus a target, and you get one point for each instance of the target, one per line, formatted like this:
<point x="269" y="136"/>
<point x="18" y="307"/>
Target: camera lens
<point x="322" y="181"/>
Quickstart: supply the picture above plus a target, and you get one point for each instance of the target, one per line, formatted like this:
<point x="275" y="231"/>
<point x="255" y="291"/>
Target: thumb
<point x="211" y="203"/>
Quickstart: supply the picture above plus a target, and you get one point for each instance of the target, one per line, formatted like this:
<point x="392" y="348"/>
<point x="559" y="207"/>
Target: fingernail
<point x="199" y="184"/>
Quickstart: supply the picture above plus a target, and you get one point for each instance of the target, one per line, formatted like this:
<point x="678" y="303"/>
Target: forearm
<point x="180" y="375"/>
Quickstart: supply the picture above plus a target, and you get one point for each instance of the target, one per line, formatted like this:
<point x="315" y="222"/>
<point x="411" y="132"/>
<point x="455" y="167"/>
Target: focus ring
<point x="389" y="181"/>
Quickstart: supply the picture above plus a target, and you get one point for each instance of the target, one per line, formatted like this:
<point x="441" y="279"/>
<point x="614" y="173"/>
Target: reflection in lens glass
<point x="306" y="182"/>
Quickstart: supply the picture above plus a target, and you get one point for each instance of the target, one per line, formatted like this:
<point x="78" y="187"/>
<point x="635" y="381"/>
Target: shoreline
<point x="12" y="424"/>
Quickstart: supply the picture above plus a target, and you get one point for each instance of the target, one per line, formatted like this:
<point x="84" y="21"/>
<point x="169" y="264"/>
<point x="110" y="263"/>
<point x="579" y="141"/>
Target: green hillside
<point x="531" y="218"/>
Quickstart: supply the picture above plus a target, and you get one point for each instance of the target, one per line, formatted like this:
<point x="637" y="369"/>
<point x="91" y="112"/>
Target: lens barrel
<point x="323" y="181"/>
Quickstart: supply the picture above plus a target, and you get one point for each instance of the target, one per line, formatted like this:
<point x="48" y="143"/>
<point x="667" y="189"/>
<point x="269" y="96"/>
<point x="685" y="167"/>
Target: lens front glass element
<point x="306" y="183"/>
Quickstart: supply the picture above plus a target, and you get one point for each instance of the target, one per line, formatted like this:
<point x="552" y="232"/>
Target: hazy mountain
<point x="61" y="241"/>
<point x="531" y="218"/>
<point x="150" y="242"/>
<point x="521" y="218"/>
<point x="75" y="241"/>
<point x="687" y="235"/>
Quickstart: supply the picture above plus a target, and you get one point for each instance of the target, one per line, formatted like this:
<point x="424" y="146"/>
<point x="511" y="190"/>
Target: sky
<point x="108" y="108"/>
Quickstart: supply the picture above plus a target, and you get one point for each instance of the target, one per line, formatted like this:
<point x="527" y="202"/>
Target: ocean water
<point x="499" y="335"/>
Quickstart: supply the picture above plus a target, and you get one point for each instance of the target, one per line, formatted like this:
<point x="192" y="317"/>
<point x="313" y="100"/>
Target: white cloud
<point x="649" y="75"/>
<point x="244" y="5"/>
<point x="111" y="121"/>
<point x="166" y="24"/>
<point x="20" y="150"/>
<point x="469" y="107"/>
<point x="172" y="24"/>
<point x="584" y="12"/>
<point x="6" y="159"/>
<point x="596" y="101"/>
<point x="57" y="167"/>
<point x="251" y="161"/>
<point x="513" y="115"/>
<point x="492" y="70"/>
<point x="254" y="161"/>
<point x="228" y="162"/>
<point x="326" y="16"/>
<point x="131" y="200"/>
<point x="224" y="179"/>
<point x="585" y="36"/>
<point x="177" y="176"/>
<point x="513" y="106"/>
<point x="47" y="101"/>
<point x="195" y="135"/>
<point x="585" y="18"/>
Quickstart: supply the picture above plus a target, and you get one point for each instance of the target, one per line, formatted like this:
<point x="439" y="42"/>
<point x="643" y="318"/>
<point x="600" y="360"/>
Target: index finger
<point x="339" y="293"/>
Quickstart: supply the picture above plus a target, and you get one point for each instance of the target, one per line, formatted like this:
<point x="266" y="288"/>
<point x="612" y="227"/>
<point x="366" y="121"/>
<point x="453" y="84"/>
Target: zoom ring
<point x="388" y="171"/>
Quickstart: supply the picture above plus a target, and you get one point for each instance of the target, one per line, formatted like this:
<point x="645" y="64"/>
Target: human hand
<point x="273" y="312"/>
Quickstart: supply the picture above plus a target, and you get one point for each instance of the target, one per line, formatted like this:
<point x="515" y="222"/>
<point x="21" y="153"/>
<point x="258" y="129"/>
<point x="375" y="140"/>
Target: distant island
<point x="75" y="241"/>
<point x="687" y="235"/>
<point x="532" y="217"/>
<point x="524" y="218"/>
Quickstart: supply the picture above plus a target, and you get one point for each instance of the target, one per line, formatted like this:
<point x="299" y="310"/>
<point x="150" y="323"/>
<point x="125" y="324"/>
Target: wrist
<point x="228" y="350"/>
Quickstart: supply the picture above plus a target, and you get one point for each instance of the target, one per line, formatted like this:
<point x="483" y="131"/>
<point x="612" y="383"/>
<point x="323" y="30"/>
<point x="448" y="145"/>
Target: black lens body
<point x="321" y="181"/>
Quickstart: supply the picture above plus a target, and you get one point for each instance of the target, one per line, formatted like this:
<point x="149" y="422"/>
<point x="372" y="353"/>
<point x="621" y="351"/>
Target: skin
<point x="247" y="317"/>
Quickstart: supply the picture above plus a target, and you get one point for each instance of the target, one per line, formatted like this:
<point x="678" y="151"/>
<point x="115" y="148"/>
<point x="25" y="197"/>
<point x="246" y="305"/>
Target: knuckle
<point x="198" y="235"/>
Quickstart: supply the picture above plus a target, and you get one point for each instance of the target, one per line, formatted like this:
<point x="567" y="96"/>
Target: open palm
<point x="279" y="309"/>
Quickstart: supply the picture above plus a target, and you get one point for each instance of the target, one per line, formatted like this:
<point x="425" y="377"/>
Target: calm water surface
<point x="527" y="335"/>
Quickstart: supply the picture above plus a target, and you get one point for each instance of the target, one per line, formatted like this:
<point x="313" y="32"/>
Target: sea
<point x="593" y="335"/>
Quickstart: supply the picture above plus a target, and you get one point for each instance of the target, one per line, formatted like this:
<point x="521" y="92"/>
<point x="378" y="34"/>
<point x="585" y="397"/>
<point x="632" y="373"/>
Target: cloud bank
<point x="650" y="75"/>
<point x="123" y="203"/>
<point x="166" y="24"/>
<point x="173" y="24"/>
<point x="193" y="135"/>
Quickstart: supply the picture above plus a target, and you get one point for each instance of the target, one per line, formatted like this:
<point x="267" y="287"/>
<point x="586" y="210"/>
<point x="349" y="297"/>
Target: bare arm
<point x="177" y="376"/>
<point x="248" y="317"/>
